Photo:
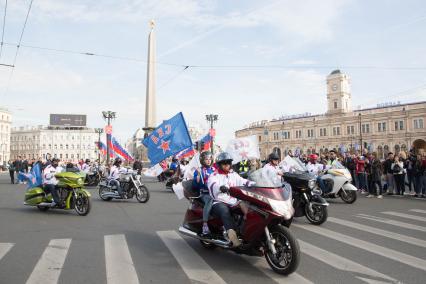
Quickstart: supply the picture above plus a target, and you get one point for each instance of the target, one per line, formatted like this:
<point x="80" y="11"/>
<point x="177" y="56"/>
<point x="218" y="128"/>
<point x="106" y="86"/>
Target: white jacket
<point x="217" y="180"/>
<point x="49" y="175"/>
<point x="116" y="171"/>
<point x="272" y="172"/>
<point x="314" y="168"/>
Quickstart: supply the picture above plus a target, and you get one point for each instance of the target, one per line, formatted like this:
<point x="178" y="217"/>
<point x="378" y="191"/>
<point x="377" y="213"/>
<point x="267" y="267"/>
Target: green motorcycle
<point x="71" y="193"/>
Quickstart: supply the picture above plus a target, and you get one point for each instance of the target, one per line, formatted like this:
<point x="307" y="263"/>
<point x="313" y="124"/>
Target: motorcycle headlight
<point x="283" y="208"/>
<point x="312" y="183"/>
<point x="80" y="181"/>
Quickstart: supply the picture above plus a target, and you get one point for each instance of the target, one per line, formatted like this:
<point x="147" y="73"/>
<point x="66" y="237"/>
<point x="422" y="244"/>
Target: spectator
<point x="420" y="176"/>
<point x="376" y="176"/>
<point x="390" y="181"/>
<point x="398" y="171"/>
<point x="351" y="165"/>
<point x="11" y="165"/>
<point x="360" y="172"/>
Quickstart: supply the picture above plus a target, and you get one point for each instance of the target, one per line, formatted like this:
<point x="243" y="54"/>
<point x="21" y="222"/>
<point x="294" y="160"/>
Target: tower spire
<point x="150" y="107"/>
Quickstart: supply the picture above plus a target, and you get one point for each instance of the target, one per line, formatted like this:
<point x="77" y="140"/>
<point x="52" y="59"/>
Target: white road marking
<point x="197" y="270"/>
<point x="407" y="216"/>
<point x="341" y="263"/>
<point x="4" y="249"/>
<point x="382" y="233"/>
<point x="392" y="222"/>
<point x="418" y="210"/>
<point x="119" y="263"/>
<point x="370" y="247"/>
<point x="263" y="266"/>
<point x="49" y="266"/>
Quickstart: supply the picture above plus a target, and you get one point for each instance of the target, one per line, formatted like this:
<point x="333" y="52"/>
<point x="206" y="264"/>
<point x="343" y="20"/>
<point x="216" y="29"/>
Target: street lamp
<point x="99" y="131"/>
<point x="266" y="134"/>
<point x="360" y="131"/>
<point x="108" y="115"/>
<point x="3" y="145"/>
<point x="212" y="118"/>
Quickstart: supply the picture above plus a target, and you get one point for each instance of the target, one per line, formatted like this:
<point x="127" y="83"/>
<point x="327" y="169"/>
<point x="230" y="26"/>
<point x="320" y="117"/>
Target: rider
<point x="332" y="159"/>
<point x="50" y="181"/>
<point x="218" y="185"/>
<point x="199" y="182"/>
<point x="114" y="175"/>
<point x="271" y="169"/>
<point x="315" y="169"/>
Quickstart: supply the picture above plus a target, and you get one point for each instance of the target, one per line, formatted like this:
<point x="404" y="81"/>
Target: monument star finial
<point x="152" y="24"/>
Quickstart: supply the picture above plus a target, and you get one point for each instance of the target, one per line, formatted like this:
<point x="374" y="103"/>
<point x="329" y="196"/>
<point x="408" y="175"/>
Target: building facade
<point x="5" y="128"/>
<point x="385" y="128"/>
<point x="67" y="144"/>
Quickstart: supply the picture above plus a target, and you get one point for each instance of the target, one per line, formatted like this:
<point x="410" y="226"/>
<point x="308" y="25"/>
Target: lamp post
<point x="212" y="118"/>
<point x="108" y="115"/>
<point x="99" y="131"/>
<point x="3" y="145"/>
<point x="266" y="134"/>
<point x="360" y="131"/>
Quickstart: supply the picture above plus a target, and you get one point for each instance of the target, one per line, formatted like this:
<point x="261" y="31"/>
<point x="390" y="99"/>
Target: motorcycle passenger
<point x="199" y="182"/>
<point x="271" y="169"/>
<point x="332" y="159"/>
<point x="183" y="166"/>
<point x="315" y="169"/>
<point x="50" y="181"/>
<point x="218" y="185"/>
<point x="114" y="175"/>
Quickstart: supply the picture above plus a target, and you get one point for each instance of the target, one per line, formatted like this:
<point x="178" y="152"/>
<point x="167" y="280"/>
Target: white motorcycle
<point x="338" y="179"/>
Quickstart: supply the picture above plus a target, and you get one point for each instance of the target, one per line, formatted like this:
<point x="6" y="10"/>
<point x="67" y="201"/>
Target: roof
<point x="337" y="71"/>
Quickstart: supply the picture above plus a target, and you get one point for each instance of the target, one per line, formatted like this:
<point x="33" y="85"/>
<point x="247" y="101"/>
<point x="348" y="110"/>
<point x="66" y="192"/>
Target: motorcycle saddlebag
<point x="34" y="195"/>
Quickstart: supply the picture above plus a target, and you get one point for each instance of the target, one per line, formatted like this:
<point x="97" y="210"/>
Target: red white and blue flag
<point x="119" y="150"/>
<point x="186" y="153"/>
<point x="207" y="140"/>
<point x="103" y="149"/>
<point x="168" y="139"/>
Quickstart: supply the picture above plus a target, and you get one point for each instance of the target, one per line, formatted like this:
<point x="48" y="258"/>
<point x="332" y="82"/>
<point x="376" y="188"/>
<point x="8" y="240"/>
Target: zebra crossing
<point x="121" y="267"/>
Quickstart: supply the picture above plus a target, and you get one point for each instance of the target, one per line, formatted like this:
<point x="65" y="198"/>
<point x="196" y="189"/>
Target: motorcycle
<point x="262" y="231"/>
<point x="71" y="193"/>
<point x="306" y="196"/>
<point x="338" y="179"/>
<point x="94" y="176"/>
<point x="175" y="178"/>
<point x="131" y="185"/>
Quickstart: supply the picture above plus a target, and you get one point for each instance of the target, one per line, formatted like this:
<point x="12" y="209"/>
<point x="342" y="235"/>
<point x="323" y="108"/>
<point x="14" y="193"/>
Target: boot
<point x="232" y="235"/>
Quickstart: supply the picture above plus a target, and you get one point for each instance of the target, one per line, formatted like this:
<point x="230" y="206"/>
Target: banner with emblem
<point x="168" y="139"/>
<point x="244" y="148"/>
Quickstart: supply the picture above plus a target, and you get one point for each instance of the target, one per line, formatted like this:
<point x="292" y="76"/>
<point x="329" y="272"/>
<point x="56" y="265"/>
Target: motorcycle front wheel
<point x="348" y="196"/>
<point x="287" y="257"/>
<point x="82" y="204"/>
<point x="143" y="196"/>
<point x="318" y="215"/>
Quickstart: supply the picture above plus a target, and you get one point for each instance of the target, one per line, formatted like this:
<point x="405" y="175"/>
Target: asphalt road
<point x="371" y="241"/>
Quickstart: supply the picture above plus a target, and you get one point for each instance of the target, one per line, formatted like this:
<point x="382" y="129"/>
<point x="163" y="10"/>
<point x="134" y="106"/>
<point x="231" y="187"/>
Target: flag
<point x="207" y="140"/>
<point x="192" y="166"/>
<point x="118" y="149"/>
<point x="153" y="171"/>
<point x="168" y="139"/>
<point x="243" y="149"/>
<point x="102" y="148"/>
<point x="34" y="177"/>
<point x="186" y="153"/>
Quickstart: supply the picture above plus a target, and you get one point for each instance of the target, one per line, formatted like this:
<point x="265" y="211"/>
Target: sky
<point x="255" y="60"/>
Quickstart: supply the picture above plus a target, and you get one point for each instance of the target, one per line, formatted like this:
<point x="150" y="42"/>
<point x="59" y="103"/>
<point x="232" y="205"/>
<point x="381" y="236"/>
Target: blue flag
<point x="168" y="139"/>
<point x="34" y="177"/>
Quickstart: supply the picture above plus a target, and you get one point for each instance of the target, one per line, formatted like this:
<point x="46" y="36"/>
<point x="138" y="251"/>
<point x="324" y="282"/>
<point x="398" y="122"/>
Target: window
<point x="418" y="123"/>
<point x="260" y="140"/>
<point x="336" y="131"/>
<point x="399" y="125"/>
<point x="61" y="147"/>
<point x="298" y="133"/>
<point x="286" y="134"/>
<point x="335" y="104"/>
<point x="381" y="126"/>
<point x="310" y="133"/>
<point x="350" y="129"/>
<point x="323" y="132"/>
<point x="66" y="147"/>
<point x="56" y="147"/>
<point x="365" y="128"/>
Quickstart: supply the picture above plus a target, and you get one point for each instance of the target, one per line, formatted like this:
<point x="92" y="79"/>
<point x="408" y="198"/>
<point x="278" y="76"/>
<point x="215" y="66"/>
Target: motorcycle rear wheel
<point x="144" y="196"/>
<point x="287" y="248"/>
<point x="82" y="204"/>
<point x="319" y="215"/>
<point x="349" y="196"/>
<point x="101" y="190"/>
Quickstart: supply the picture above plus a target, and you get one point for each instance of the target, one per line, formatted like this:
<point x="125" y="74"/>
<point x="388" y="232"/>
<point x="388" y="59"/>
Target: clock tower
<point x="339" y="99"/>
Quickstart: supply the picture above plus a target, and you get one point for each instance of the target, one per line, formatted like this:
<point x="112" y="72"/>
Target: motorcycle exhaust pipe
<point x="192" y="234"/>
<point x="110" y="194"/>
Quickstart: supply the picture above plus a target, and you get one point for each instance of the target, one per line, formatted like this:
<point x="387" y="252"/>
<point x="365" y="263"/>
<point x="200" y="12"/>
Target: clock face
<point x="334" y="87"/>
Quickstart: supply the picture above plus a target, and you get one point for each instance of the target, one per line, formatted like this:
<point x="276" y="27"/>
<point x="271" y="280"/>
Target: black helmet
<point x="174" y="159"/>
<point x="205" y="155"/>
<point x="117" y="161"/>
<point x="273" y="156"/>
<point x="223" y="158"/>
<point x="87" y="161"/>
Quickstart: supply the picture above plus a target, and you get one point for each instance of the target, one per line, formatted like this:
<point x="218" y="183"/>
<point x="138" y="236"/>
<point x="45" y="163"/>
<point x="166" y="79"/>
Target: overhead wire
<point x="173" y="78"/>
<point x="3" y="28"/>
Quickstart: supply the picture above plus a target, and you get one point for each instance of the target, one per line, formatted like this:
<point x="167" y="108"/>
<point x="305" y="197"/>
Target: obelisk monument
<point x="150" y="107"/>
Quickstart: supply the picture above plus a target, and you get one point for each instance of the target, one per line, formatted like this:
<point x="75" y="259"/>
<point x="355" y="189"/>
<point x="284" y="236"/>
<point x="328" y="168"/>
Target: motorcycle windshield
<point x="293" y="164"/>
<point x="265" y="179"/>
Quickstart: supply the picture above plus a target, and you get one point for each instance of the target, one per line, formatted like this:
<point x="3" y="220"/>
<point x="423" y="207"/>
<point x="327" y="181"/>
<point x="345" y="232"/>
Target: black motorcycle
<point x="131" y="185"/>
<point x="94" y="176"/>
<point x="307" y="200"/>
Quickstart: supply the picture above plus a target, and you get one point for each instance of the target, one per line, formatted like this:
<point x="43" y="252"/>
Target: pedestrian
<point x="11" y="165"/>
<point x="390" y="182"/>
<point x="18" y="169"/>
<point x="360" y="172"/>
<point x="376" y="177"/>
<point x="410" y="165"/>
<point x="398" y="172"/>
<point x="419" y="172"/>
<point x="351" y="165"/>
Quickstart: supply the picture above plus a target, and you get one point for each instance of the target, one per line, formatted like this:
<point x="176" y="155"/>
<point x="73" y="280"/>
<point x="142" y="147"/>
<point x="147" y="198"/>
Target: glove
<point x="224" y="189"/>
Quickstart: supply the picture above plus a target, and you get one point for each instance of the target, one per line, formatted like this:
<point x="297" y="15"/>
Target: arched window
<point x="397" y="149"/>
<point x="385" y="150"/>
<point x="380" y="153"/>
<point x="66" y="147"/>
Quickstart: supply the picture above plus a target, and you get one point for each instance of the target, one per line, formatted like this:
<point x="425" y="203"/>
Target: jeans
<point x="116" y="183"/>
<point x="208" y="203"/>
<point x="53" y="190"/>
<point x="372" y="188"/>
<point x="353" y="176"/>
<point x="390" y="182"/>
<point x="400" y="183"/>
<point x="361" y="181"/>
<point x="222" y="211"/>
<point x="411" y="180"/>
<point x="322" y="185"/>
<point x="12" y="177"/>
